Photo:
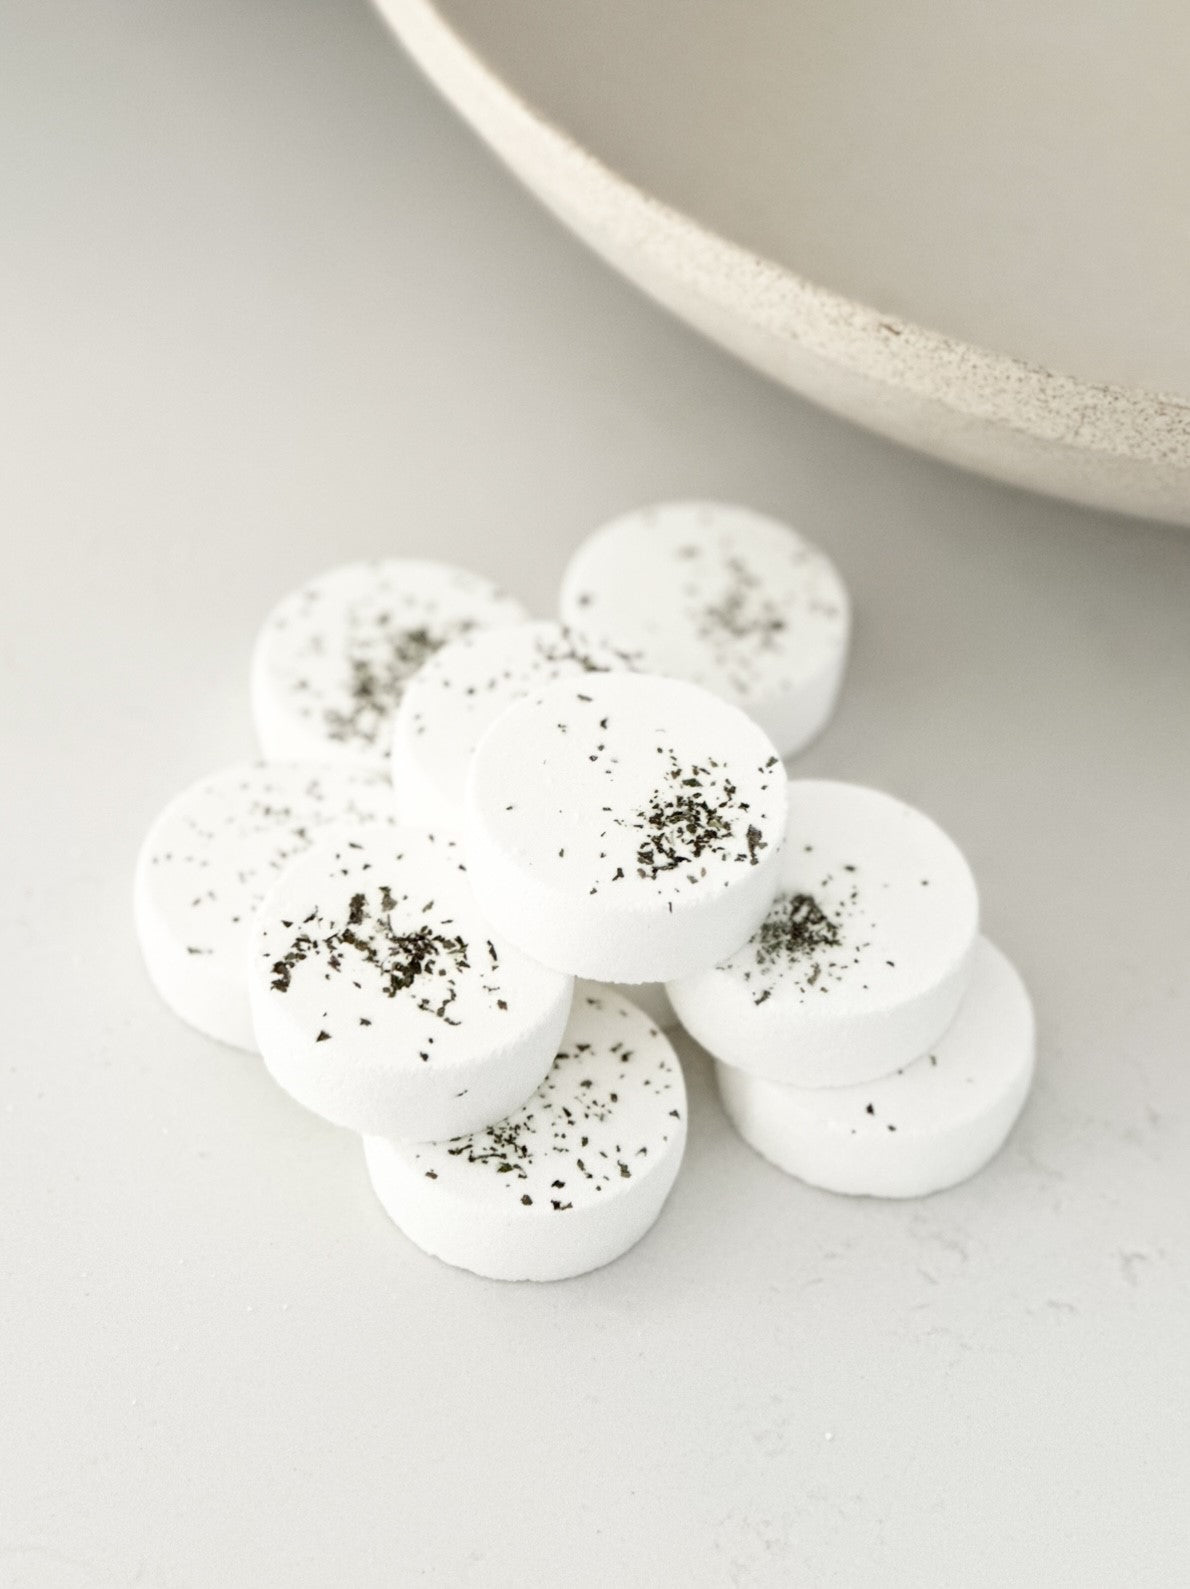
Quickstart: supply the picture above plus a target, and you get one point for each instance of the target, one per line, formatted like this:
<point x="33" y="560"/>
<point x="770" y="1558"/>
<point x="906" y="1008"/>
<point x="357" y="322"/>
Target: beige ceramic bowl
<point x="964" y="223"/>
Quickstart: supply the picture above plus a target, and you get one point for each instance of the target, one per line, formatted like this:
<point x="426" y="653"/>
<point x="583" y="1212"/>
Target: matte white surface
<point x="209" y="859"/>
<point x="569" y="1181"/>
<point x="278" y="309"/>
<point x="927" y="1126"/>
<point x="863" y="956"/>
<point x="333" y="657"/>
<point x="725" y="597"/>
<point x="624" y="827"/>
<point x="458" y="694"/>
<point x="384" y="1000"/>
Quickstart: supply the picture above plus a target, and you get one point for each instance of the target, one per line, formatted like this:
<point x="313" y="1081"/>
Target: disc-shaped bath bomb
<point x="333" y="658"/>
<point x="723" y="597"/>
<point x="569" y="1181"/>
<point x="208" y="861"/>
<point x="462" y="689"/>
<point x="929" y="1125"/>
<point x="625" y="827"/>
<point x="863" y="956"/>
<point x="383" y="999"/>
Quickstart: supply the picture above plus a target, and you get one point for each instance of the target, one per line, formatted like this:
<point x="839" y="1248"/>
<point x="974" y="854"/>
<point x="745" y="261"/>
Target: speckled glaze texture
<point x="1110" y="446"/>
<point x="566" y="1183"/>
<point x="928" y="1125"/>
<point x="210" y="858"/>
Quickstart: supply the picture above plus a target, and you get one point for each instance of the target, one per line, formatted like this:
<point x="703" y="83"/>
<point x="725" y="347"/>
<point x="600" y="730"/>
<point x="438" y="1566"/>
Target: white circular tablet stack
<point x="929" y="1125"/>
<point x="464" y="811"/>
<point x="384" y="1001"/>
<point x="333" y="658"/>
<point x="569" y="1181"/>
<point x="725" y="598"/>
<point x="625" y="827"/>
<point x="459" y="692"/>
<point x="863" y="957"/>
<point x="207" y="863"/>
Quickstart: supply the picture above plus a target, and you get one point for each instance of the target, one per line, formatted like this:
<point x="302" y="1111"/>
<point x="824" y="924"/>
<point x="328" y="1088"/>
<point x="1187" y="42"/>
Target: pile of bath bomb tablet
<point x="486" y="860"/>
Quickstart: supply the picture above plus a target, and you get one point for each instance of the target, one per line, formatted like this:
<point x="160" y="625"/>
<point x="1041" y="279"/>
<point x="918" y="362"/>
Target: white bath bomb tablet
<point x="462" y="689"/>
<point x="566" y="1183"/>
<point x="929" y="1125"/>
<point x="384" y="1001"/>
<point x="208" y="861"/>
<point x="625" y="827"/>
<point x="333" y="658"/>
<point x="863" y="956"/>
<point x="725" y="598"/>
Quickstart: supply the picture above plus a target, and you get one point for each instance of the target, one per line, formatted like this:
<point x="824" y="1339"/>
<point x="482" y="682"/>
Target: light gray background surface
<point x="267" y="306"/>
